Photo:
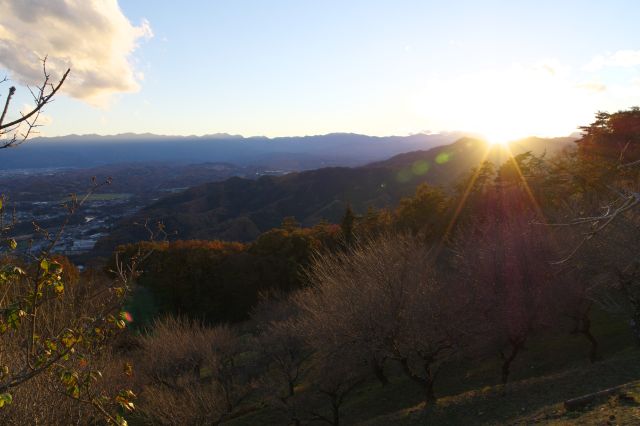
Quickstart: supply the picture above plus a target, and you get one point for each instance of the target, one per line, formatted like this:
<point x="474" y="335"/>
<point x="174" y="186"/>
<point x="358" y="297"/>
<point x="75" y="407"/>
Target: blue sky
<point x="505" y="69"/>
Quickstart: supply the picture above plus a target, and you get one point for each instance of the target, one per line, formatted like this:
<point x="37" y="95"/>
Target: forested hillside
<point x="240" y="209"/>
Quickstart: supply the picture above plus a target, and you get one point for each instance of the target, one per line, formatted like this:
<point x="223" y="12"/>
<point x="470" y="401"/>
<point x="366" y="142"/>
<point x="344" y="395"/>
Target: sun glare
<point x="510" y="125"/>
<point x="497" y="141"/>
<point x="502" y="136"/>
<point x="504" y="105"/>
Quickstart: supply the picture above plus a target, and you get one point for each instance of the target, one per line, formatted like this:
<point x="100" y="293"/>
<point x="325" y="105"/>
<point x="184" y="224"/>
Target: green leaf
<point x="44" y="264"/>
<point x="206" y="372"/>
<point x="52" y="346"/>
<point x="5" y="399"/>
<point x="56" y="267"/>
<point x="69" y="340"/>
<point x="69" y="378"/>
<point x="74" y="391"/>
<point x="13" y="318"/>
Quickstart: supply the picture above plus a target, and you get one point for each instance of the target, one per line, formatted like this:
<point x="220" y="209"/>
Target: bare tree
<point x="336" y="375"/>
<point x="14" y="131"/>
<point x="191" y="374"/>
<point x="507" y="261"/>
<point x="606" y="170"/>
<point x="384" y="301"/>
<point x="286" y="354"/>
<point x="610" y="268"/>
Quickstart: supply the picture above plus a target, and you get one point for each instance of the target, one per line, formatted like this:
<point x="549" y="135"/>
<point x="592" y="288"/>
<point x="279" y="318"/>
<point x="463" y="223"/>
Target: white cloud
<point x="93" y="37"/>
<point x="619" y="59"/>
<point x="592" y="86"/>
<point x="43" y="119"/>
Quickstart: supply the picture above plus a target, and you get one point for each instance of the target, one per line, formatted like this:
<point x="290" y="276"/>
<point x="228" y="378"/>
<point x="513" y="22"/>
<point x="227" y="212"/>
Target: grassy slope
<point x="623" y="408"/>
<point x="534" y="400"/>
<point x="553" y="368"/>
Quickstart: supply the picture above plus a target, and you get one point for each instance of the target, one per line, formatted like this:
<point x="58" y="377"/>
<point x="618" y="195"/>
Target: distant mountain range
<point x="240" y="209"/>
<point x="284" y="153"/>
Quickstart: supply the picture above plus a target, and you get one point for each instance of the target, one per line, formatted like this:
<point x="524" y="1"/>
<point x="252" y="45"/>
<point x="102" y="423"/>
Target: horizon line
<point x="223" y="135"/>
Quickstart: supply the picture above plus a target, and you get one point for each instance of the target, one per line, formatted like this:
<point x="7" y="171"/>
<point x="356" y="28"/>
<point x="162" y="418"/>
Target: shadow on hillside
<point x="489" y="406"/>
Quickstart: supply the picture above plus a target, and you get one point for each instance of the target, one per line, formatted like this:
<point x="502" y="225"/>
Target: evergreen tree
<point x="347" y="224"/>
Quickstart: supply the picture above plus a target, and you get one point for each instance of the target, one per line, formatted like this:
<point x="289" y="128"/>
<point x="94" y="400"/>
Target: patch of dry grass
<point x="542" y="396"/>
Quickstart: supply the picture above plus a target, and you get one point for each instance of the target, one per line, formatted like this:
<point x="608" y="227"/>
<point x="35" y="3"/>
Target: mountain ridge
<point x="289" y="153"/>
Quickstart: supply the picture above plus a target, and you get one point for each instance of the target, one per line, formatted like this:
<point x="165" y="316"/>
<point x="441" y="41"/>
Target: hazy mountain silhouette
<point x="290" y="153"/>
<point x="240" y="209"/>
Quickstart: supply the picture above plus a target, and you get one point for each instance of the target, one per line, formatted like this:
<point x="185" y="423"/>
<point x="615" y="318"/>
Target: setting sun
<point x="501" y="138"/>
<point x="506" y="104"/>
<point x="495" y="142"/>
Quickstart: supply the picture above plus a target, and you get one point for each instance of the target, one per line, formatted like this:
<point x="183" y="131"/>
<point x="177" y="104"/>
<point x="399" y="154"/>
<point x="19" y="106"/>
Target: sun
<point x="504" y="105"/>
<point x="500" y="143"/>
<point x="502" y="136"/>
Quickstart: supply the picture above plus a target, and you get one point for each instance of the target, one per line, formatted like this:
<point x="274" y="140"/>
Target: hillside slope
<point x="240" y="209"/>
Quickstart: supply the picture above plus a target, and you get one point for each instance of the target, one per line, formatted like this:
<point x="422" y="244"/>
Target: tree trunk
<point x="336" y="413"/>
<point x="516" y="346"/>
<point x="429" y="394"/>
<point x="635" y="324"/>
<point x="291" y="389"/>
<point x="427" y="382"/>
<point x="378" y="370"/>
<point x="586" y="331"/>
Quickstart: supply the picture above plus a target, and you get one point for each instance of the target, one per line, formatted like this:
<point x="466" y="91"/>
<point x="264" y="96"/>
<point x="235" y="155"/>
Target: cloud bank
<point x="619" y="59"/>
<point x="93" y="37"/>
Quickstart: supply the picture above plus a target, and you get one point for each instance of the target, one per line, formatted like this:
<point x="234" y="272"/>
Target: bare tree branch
<point x="42" y="96"/>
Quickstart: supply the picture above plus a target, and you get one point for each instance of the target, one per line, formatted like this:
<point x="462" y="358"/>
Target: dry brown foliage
<point x="190" y="374"/>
